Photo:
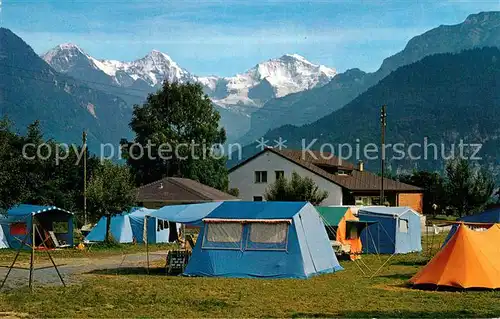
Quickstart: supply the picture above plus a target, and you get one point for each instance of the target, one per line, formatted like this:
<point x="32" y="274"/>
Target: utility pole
<point x="383" y="123"/>
<point x="84" y="140"/>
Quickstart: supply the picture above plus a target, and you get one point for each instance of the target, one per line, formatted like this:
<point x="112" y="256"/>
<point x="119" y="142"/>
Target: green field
<point x="131" y="292"/>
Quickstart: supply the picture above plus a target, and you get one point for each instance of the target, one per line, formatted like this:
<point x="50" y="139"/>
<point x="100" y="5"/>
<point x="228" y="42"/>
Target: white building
<point x="346" y="183"/>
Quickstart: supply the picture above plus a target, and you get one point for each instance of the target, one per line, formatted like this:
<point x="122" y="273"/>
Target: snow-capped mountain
<point x="151" y="70"/>
<point x="235" y="97"/>
<point x="290" y="73"/>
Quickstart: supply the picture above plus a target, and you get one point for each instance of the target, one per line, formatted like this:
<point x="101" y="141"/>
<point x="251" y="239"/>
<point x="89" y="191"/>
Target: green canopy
<point x="331" y="215"/>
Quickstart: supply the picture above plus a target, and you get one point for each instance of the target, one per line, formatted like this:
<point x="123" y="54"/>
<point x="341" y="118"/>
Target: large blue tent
<point x="262" y="240"/>
<point x="129" y="227"/>
<point x="391" y="230"/>
<point x="489" y="216"/>
<point x="50" y="219"/>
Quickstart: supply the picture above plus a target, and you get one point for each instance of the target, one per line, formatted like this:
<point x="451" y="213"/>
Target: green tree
<point x="12" y="183"/>
<point x="296" y="189"/>
<point x="468" y="189"/>
<point x="182" y="120"/>
<point x="433" y="185"/>
<point x="110" y="192"/>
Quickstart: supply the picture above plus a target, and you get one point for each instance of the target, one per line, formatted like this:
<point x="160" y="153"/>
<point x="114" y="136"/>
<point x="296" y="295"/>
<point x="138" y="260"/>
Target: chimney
<point x="161" y="186"/>
<point x="361" y="166"/>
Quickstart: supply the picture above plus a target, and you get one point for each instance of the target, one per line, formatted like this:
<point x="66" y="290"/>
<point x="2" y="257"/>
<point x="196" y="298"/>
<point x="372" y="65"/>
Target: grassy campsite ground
<point x="130" y="292"/>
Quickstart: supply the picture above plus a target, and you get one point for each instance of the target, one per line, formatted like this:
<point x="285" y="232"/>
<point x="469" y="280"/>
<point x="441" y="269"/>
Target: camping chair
<point x="56" y="241"/>
<point x="177" y="261"/>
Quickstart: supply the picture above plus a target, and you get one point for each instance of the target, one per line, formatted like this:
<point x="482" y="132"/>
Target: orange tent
<point x="470" y="259"/>
<point x="347" y="226"/>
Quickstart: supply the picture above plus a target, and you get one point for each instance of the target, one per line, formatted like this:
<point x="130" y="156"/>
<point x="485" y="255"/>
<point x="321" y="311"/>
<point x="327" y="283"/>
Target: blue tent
<point x="489" y="216"/>
<point x="128" y="227"/>
<point x="397" y="230"/>
<point x="49" y="218"/>
<point x="262" y="240"/>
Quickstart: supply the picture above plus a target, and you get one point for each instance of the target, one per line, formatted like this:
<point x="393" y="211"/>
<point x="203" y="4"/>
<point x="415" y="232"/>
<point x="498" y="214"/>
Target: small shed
<point x="54" y="226"/>
<point x="397" y="230"/>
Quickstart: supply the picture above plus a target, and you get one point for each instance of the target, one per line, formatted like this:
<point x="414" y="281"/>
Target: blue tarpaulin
<point x="397" y="230"/>
<point x="191" y="214"/>
<point x="262" y="240"/>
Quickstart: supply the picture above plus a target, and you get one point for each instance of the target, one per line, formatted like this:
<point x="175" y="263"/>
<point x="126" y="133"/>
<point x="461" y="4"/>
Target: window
<point x="257" y="198"/>
<point x="279" y="174"/>
<point x="268" y="233"/>
<point x="363" y="200"/>
<point x="18" y="229"/>
<point x="260" y="177"/>
<point x="267" y="236"/>
<point x="403" y="226"/>
<point x="223" y="235"/>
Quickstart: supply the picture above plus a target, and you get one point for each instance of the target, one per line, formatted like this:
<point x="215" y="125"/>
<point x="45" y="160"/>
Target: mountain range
<point x="440" y="100"/>
<point x="236" y="97"/>
<point x="478" y="30"/>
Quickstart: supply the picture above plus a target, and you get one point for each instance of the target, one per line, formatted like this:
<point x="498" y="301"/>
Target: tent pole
<point x="147" y="244"/>
<point x="50" y="257"/>
<point x="14" y="261"/>
<point x="32" y="261"/>
<point x="376" y="272"/>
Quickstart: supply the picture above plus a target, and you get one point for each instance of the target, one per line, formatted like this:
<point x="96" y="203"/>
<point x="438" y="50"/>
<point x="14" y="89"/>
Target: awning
<point x="186" y="214"/>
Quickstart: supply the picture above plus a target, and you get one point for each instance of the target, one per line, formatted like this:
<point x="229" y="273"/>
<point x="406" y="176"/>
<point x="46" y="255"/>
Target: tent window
<point x="268" y="233"/>
<point x="18" y="229"/>
<point x="267" y="236"/>
<point x="223" y="235"/>
<point x="403" y="226"/>
<point x="60" y="227"/>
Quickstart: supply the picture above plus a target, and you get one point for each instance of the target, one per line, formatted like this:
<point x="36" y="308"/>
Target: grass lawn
<point x="97" y="251"/>
<point x="133" y="293"/>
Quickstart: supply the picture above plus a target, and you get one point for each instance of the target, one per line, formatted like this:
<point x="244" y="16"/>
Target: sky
<point x="226" y="37"/>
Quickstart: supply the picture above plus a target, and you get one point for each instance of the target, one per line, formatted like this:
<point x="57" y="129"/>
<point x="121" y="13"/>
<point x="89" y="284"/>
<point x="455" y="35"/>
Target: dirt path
<point x="71" y="268"/>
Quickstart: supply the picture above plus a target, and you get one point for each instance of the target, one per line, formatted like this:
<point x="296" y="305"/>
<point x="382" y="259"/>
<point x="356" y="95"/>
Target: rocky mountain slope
<point x="32" y="90"/>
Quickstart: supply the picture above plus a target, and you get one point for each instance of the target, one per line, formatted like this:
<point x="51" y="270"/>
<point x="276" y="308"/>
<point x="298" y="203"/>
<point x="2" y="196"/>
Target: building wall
<point x="243" y="178"/>
<point x="413" y="200"/>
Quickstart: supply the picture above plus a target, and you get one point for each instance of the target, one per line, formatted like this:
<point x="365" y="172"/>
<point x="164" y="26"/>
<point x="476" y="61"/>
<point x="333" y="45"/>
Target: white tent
<point x="3" y="236"/>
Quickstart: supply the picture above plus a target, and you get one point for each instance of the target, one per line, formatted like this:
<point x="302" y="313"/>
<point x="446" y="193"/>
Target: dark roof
<point x="180" y="189"/>
<point x="356" y="180"/>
